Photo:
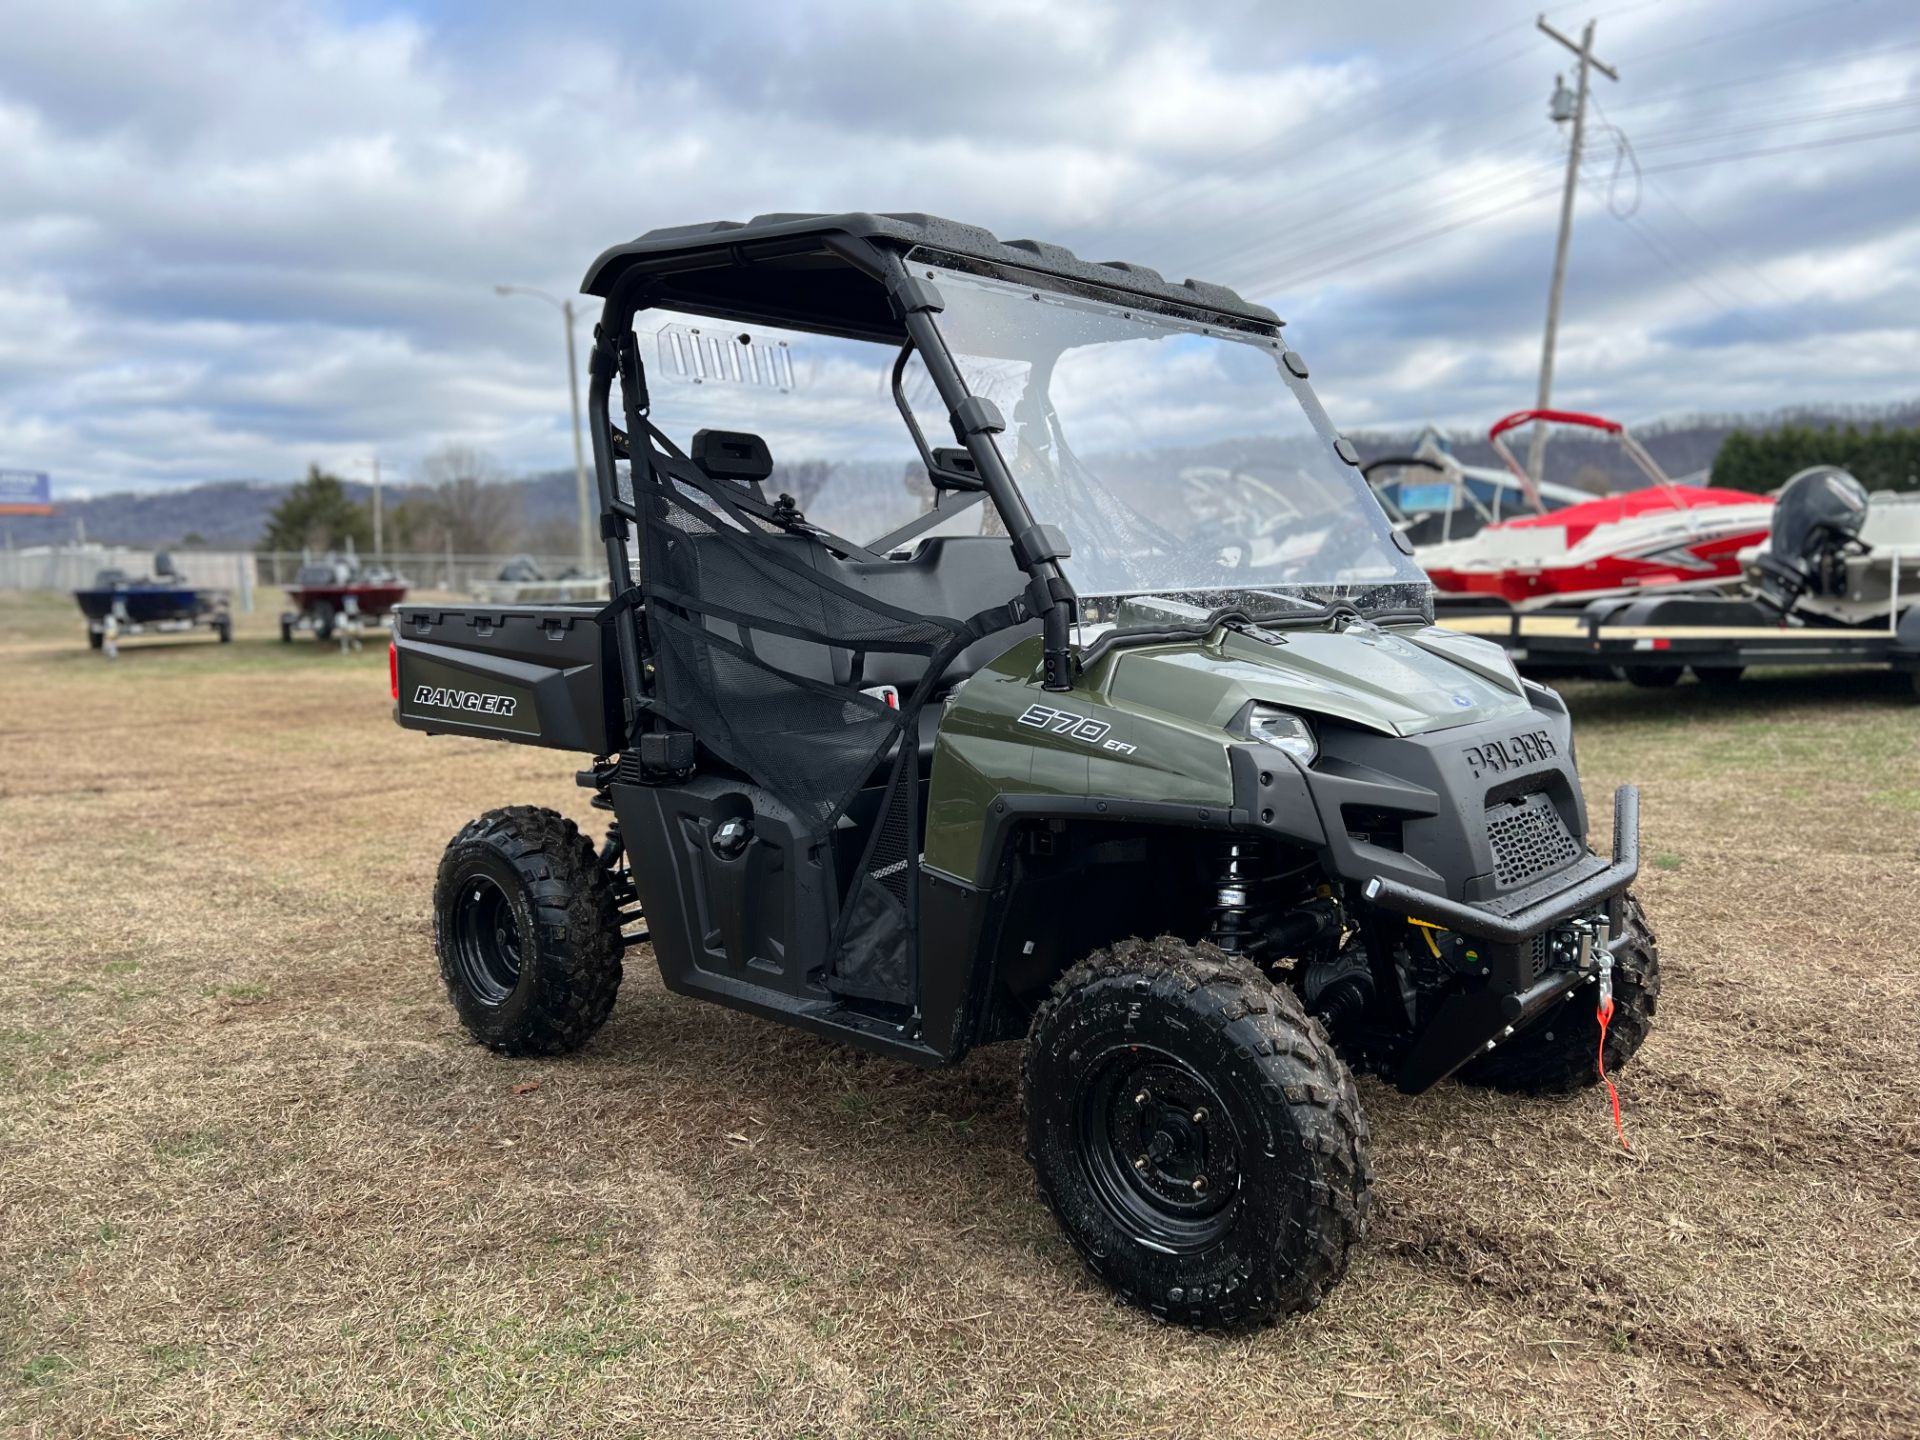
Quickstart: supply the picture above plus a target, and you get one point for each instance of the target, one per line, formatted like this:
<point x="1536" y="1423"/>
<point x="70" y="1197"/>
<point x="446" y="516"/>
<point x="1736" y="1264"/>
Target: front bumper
<point x="1516" y="988"/>
<point x="1518" y="926"/>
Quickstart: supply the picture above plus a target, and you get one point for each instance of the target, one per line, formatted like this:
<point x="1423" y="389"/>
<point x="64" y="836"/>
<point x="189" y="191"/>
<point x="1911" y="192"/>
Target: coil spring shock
<point x="1232" y="928"/>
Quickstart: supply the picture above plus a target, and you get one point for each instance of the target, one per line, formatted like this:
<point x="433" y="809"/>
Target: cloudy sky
<point x="239" y="237"/>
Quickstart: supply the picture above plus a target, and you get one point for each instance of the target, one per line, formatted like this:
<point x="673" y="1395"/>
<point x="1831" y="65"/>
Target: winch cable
<point x="1604" y="1011"/>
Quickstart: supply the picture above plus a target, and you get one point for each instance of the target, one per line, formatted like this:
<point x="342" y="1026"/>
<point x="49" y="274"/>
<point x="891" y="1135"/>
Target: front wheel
<point x="1194" y="1133"/>
<point x="528" y="932"/>
<point x="1561" y="1051"/>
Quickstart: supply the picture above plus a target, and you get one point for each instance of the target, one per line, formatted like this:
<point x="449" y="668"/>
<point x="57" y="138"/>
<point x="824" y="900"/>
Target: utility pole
<point x="1537" y="448"/>
<point x="588" y="510"/>
<point x="379" y="547"/>
<point x="579" y="454"/>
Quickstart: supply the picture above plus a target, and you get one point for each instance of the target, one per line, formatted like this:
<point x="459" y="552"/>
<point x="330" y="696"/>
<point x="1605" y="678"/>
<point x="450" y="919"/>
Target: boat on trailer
<point x="118" y="605"/>
<point x="1837" y="584"/>
<point x="1667" y="538"/>
<point x="522" y="581"/>
<point x="337" y="595"/>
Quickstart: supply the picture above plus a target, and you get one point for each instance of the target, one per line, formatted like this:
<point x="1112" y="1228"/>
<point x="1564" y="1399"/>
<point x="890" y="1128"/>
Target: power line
<point x="1674" y="204"/>
<point x="1329" y="124"/>
<point x="1285" y="254"/>
<point x="1418" y="238"/>
<point x="1768" y="76"/>
<point x="1290" y="251"/>
<point x="1668" y="254"/>
<point x="1780" y="149"/>
<point x="1299" y="257"/>
<point x="1669" y="139"/>
<point x="1288" y="281"/>
<point x="1720" y="36"/>
<point x="1304" y="249"/>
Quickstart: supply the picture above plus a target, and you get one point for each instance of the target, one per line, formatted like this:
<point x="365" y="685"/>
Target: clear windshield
<point x="823" y="406"/>
<point x="1181" y="460"/>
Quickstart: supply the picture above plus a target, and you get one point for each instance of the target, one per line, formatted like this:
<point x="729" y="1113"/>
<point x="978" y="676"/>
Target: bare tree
<point x="476" y="505"/>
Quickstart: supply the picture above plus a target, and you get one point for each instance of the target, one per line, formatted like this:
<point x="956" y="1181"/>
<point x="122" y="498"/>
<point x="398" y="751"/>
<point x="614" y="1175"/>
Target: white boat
<point x="1665" y="538"/>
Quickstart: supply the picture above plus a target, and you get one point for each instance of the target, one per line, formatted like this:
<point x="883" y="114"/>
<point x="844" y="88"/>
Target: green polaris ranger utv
<point x="1005" y="647"/>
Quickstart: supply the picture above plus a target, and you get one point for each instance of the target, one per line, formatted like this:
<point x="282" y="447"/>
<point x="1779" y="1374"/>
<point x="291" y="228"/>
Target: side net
<point x="759" y="638"/>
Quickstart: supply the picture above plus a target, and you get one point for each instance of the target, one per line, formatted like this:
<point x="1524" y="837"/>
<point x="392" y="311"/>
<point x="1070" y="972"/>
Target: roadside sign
<point x="25" y="492"/>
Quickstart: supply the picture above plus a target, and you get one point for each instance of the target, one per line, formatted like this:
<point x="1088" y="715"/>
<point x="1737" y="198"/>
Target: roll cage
<point x="851" y="277"/>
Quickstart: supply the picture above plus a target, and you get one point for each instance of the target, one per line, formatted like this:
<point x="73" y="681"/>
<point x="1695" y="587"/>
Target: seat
<point x="732" y="455"/>
<point x="957" y="576"/>
<point x="954" y="576"/>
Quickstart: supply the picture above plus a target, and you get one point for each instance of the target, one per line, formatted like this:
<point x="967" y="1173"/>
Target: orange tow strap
<point x="1605" y="1012"/>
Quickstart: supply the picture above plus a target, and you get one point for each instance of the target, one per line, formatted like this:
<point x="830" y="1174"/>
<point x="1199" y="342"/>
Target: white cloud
<point x="238" y="238"/>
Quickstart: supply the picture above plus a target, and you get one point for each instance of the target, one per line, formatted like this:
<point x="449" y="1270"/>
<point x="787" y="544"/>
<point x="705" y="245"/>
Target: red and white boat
<point x="1667" y="538"/>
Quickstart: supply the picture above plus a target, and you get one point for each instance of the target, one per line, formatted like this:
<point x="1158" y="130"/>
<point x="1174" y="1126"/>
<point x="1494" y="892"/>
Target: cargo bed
<point x="534" y="674"/>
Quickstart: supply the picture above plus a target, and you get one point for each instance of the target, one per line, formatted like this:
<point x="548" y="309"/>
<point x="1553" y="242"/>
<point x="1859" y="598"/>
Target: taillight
<point x="393" y="668"/>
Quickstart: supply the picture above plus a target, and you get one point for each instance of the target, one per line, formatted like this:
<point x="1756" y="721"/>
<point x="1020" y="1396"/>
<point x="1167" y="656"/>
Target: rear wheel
<point x="1195" y="1134"/>
<point x="1561" y="1050"/>
<point x="286" y="629"/>
<point x="1719" y="676"/>
<point x="95" y="638"/>
<point x="223" y="627"/>
<point x="323" y="623"/>
<point x="528" y="932"/>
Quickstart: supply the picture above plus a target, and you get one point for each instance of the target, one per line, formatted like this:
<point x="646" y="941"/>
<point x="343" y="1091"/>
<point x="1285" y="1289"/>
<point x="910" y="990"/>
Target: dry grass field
<point x="254" y="1181"/>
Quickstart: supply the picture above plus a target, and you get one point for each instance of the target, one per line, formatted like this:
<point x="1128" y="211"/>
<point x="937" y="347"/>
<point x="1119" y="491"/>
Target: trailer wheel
<point x="1719" y="676"/>
<point x="1560" y="1051"/>
<point x="323" y="623"/>
<point x="95" y="638"/>
<point x="1654" y="677"/>
<point x="528" y="932"/>
<point x="286" y="629"/>
<point x="1194" y="1133"/>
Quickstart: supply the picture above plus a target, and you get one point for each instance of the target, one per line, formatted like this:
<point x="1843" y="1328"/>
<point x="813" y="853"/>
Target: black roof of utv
<point x="784" y="269"/>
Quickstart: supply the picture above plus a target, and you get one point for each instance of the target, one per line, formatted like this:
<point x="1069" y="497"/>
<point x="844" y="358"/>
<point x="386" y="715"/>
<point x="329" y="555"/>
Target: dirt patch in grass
<point x="254" y="1180"/>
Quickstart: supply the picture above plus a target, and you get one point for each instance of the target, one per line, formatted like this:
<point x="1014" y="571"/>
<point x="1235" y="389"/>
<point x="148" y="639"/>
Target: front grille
<point x="1529" y="840"/>
<point x="1537" y="955"/>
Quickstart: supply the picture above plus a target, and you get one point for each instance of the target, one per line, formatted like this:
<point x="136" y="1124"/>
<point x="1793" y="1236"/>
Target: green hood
<point x="1402" y="681"/>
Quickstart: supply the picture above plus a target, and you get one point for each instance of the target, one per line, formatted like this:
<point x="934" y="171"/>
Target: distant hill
<point x="232" y="514"/>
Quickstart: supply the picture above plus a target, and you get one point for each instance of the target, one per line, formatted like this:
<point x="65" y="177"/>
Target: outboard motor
<point x="1816" y="525"/>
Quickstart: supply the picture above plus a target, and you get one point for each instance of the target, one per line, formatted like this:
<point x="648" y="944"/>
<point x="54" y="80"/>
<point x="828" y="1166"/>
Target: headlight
<point x="1284" y="731"/>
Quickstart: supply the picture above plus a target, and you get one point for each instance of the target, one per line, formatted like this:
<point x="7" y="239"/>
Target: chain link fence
<point x="247" y="573"/>
<point x="437" y="570"/>
<point x="76" y="567"/>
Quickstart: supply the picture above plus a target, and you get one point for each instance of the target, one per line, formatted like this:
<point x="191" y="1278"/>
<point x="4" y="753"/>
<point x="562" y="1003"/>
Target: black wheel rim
<point x="486" y="940"/>
<point x="1160" y="1150"/>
